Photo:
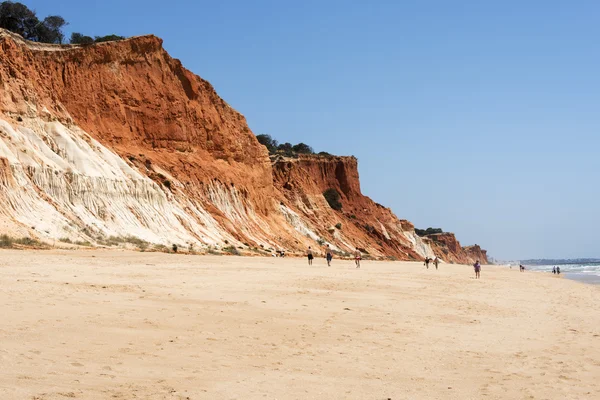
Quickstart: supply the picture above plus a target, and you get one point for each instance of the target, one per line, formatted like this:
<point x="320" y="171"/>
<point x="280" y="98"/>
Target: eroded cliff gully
<point x="118" y="139"/>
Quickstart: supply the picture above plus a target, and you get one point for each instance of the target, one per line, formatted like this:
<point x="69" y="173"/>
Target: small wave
<point x="586" y="269"/>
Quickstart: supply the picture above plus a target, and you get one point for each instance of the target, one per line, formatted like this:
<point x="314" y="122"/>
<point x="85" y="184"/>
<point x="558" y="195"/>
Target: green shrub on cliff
<point x="428" y="231"/>
<point x="302" y="148"/>
<point x="6" y="241"/>
<point x="285" y="149"/>
<point x="9" y="242"/>
<point x="108" y="38"/>
<point x="232" y="250"/>
<point x="333" y="198"/>
<point x="78" y="38"/>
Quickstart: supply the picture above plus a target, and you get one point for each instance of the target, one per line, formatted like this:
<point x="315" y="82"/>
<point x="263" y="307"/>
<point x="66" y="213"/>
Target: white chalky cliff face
<point x="118" y="139"/>
<point x="61" y="183"/>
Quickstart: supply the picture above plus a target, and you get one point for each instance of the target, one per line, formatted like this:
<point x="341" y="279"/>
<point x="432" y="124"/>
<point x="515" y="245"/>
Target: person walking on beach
<point x="436" y="262"/>
<point x="357" y="257"/>
<point x="427" y="259"/>
<point x="328" y="255"/>
<point x="558" y="270"/>
<point x="477" y="267"/>
<point x="310" y="255"/>
<point x="554" y="270"/>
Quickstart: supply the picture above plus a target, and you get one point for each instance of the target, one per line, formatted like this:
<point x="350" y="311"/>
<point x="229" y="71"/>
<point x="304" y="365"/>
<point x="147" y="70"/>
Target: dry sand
<point x="125" y="325"/>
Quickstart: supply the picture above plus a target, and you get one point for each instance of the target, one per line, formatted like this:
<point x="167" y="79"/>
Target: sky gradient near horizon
<point x="481" y="118"/>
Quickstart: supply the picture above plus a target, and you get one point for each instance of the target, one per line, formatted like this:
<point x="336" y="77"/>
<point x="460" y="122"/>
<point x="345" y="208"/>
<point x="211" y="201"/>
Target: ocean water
<point x="588" y="273"/>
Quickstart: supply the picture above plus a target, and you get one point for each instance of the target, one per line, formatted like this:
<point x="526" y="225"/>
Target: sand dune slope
<point x="120" y="325"/>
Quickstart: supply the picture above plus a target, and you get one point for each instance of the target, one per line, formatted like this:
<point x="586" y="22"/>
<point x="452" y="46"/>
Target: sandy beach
<point x="127" y="325"/>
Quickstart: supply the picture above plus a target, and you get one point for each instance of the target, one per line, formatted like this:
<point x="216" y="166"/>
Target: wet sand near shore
<point x="589" y="279"/>
<point x="128" y="325"/>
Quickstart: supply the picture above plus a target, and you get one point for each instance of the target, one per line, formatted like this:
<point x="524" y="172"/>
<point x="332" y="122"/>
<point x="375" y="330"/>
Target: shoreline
<point x="588" y="279"/>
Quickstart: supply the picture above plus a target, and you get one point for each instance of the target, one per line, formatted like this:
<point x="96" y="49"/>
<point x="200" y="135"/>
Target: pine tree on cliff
<point x="267" y="141"/>
<point x="18" y="18"/>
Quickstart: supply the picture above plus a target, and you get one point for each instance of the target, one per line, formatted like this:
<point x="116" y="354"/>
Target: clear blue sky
<point x="479" y="117"/>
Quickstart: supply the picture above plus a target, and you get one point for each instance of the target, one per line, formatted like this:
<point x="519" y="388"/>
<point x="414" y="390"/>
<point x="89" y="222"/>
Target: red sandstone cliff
<point x="476" y="253"/>
<point x="361" y="222"/>
<point x="446" y="246"/>
<point x="136" y="100"/>
<point x="119" y="139"/>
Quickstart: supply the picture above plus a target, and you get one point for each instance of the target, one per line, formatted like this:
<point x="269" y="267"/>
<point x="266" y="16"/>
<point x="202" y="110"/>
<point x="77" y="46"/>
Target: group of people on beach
<point x="435" y="261"/>
<point x="428" y="260"/>
<point x="358" y="257"/>
<point x="555" y="270"/>
<point x="329" y="256"/>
